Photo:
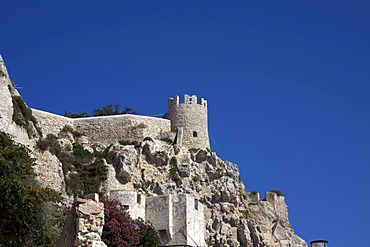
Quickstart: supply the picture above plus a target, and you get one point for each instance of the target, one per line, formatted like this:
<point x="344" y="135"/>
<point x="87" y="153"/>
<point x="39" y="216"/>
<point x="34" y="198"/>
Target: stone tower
<point x="190" y="121"/>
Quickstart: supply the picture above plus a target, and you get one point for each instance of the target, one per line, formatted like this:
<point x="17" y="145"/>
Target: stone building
<point x="178" y="218"/>
<point x="133" y="201"/>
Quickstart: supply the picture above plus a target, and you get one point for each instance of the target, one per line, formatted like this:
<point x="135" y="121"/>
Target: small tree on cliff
<point x="113" y="110"/>
<point x="22" y="200"/>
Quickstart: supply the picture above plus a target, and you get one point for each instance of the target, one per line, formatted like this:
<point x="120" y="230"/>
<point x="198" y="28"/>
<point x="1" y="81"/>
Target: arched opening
<point x="195" y="134"/>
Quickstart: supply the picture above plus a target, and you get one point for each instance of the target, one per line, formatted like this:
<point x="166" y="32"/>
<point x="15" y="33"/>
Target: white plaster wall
<point x="177" y="214"/>
<point x="179" y="220"/>
<point x="195" y="224"/>
<point x="130" y="198"/>
<point x="159" y="212"/>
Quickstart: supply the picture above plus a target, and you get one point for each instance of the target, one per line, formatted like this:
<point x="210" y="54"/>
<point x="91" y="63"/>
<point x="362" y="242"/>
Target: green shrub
<point x="244" y="214"/>
<point x="68" y="128"/>
<point x="89" y="170"/>
<point x="50" y="142"/>
<point x="22" y="115"/>
<point x="66" y="166"/>
<point x="113" y="110"/>
<point x="107" y="110"/>
<point x="210" y="241"/>
<point x="93" y="175"/>
<point x="147" y="234"/>
<point x="127" y="142"/>
<point x="277" y="192"/>
<point x="103" y="155"/>
<point x="50" y="221"/>
<point x="74" y="184"/>
<point x="167" y="140"/>
<point x="193" y="150"/>
<point x="175" y="172"/>
<point x="173" y="161"/>
<point x="21" y="197"/>
<point x="196" y="178"/>
<point x="82" y="155"/>
<point x="75" y="115"/>
<point x="148" y="139"/>
<point x="83" y="171"/>
<point x="42" y="144"/>
<point x="228" y="174"/>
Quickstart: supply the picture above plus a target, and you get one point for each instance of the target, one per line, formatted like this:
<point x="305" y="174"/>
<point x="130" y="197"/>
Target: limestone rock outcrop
<point x="7" y="91"/>
<point x="150" y="165"/>
<point x="233" y="216"/>
<point x="48" y="170"/>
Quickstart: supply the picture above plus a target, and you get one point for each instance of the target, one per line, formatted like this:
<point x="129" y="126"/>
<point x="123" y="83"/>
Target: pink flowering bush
<point x="119" y="229"/>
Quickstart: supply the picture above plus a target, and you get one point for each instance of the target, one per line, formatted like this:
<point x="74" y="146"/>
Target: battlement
<point x="188" y="100"/>
<point x="189" y="120"/>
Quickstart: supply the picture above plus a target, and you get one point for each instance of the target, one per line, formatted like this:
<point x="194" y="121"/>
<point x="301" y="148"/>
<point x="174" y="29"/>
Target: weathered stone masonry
<point x="188" y="121"/>
<point x="178" y="218"/>
<point x="106" y="129"/>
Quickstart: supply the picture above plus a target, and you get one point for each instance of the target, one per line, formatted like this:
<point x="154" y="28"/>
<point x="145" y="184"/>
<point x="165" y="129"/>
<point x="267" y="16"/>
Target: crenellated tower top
<point x="190" y="121"/>
<point x="191" y="100"/>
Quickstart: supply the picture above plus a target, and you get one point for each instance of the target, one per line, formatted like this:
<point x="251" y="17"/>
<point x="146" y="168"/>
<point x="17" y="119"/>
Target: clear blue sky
<point x="287" y="83"/>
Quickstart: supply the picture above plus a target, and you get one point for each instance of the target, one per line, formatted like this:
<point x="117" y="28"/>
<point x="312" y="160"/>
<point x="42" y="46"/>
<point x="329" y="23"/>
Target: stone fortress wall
<point x="51" y="123"/>
<point x="190" y="121"/>
<point x="105" y="129"/>
<point x="110" y="129"/>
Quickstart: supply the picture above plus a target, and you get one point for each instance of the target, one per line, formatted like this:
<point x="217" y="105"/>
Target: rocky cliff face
<point x="233" y="217"/>
<point x="7" y="92"/>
